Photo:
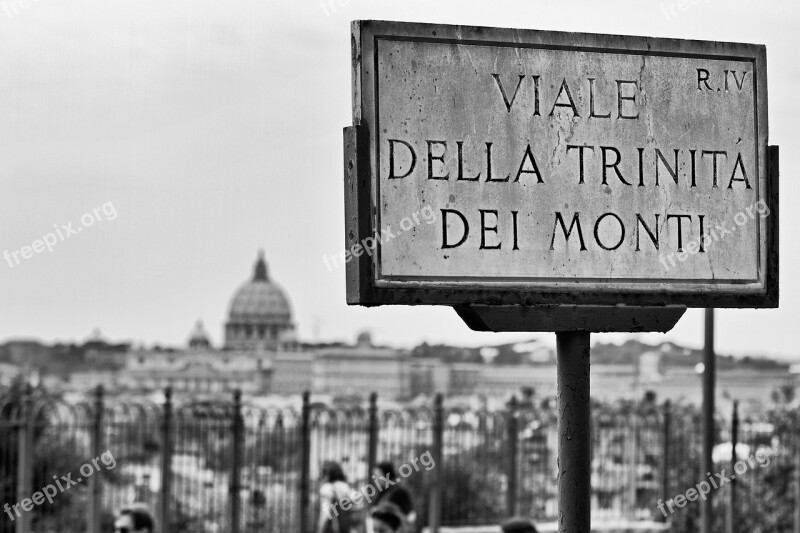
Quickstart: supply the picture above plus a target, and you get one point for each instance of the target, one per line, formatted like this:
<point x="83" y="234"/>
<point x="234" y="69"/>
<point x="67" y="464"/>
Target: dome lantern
<point x="260" y="273"/>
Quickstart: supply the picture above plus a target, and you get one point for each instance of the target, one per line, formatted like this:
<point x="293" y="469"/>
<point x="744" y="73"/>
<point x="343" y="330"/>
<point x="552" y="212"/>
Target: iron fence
<point x="238" y="467"/>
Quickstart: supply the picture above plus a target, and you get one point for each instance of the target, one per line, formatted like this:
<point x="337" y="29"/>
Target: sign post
<point x="709" y="389"/>
<point x="562" y="182"/>
<point x="574" y="432"/>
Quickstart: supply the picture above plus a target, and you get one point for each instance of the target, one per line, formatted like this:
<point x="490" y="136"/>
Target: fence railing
<point x="236" y="467"/>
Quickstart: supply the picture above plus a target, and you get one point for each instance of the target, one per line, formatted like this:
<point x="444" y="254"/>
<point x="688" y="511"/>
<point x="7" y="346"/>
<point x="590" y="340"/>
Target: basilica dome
<point x="259" y="316"/>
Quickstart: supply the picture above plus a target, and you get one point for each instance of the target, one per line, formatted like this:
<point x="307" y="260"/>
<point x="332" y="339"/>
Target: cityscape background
<point x="228" y="436"/>
<point x="261" y="354"/>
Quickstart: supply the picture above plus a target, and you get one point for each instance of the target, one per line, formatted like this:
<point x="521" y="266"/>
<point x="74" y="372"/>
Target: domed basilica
<point x="259" y="317"/>
<point x="260" y="354"/>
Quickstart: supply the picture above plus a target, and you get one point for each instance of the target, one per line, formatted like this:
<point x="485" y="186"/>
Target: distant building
<point x="649" y="367"/>
<point x="26" y="353"/>
<point x="260" y="355"/>
<point x="110" y="380"/>
<point x="201" y="371"/>
<point x="198" y="338"/>
<point x="259" y="326"/>
<point x="361" y="369"/>
<point x="293" y="372"/>
<point x="428" y="376"/>
<point x="259" y="318"/>
<point x="99" y="351"/>
<point x="343" y="370"/>
<point x="501" y="380"/>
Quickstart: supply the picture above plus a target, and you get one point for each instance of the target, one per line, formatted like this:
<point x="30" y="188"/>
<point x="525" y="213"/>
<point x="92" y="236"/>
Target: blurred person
<point x="395" y="494"/>
<point x="333" y="491"/>
<point x="134" y="520"/>
<point x="386" y="518"/>
<point x="518" y="524"/>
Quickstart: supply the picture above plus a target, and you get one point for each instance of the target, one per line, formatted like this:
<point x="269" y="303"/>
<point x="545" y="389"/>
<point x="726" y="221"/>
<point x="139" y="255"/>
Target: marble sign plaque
<point x="515" y="166"/>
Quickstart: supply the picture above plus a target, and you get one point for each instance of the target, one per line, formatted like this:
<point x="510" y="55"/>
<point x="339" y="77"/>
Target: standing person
<point x="396" y="494"/>
<point x="134" y="520"/>
<point x="334" y="489"/>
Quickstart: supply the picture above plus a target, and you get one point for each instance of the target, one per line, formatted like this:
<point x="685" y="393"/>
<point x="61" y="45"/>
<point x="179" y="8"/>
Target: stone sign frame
<point x="365" y="286"/>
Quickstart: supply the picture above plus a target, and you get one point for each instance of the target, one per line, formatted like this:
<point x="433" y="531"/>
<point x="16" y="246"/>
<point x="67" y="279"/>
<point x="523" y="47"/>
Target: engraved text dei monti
<point x="561" y="164"/>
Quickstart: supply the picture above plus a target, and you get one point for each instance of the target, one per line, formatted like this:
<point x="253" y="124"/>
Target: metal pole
<point x="796" y="481"/>
<point x="305" y="462"/>
<point x="513" y="439"/>
<point x="435" y="494"/>
<point x="665" y="459"/>
<point x="574" y="433"/>
<point x="166" y="462"/>
<point x="235" y="482"/>
<point x="731" y="523"/>
<point x="709" y="375"/>
<point x="372" y="443"/>
<point x="632" y="442"/>
<point x="95" y="485"/>
<point x="25" y="456"/>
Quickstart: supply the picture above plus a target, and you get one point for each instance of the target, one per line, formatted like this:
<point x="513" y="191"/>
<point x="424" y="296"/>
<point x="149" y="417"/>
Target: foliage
<point x="52" y="456"/>
<point x="468" y="483"/>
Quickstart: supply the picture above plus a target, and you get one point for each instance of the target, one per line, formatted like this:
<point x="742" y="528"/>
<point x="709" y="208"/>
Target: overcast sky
<point x="211" y="129"/>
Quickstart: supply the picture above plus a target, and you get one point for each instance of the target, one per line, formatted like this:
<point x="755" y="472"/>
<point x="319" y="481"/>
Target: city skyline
<point x="200" y="325"/>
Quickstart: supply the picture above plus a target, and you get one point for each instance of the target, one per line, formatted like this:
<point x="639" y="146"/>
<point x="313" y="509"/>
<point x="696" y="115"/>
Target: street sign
<point x="500" y="166"/>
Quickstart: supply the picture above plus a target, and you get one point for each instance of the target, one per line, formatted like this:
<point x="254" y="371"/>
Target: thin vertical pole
<point x="665" y="459"/>
<point x="372" y="450"/>
<point x="166" y="462"/>
<point x="513" y="435"/>
<point x="709" y="375"/>
<point x="574" y="432"/>
<point x="796" y="481"/>
<point x="632" y="442"/>
<point x="95" y="484"/>
<point x="234" y="485"/>
<point x="435" y="495"/>
<point x="731" y="518"/>
<point x="25" y="456"/>
<point x="305" y="462"/>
